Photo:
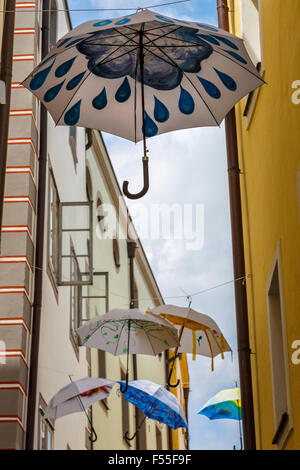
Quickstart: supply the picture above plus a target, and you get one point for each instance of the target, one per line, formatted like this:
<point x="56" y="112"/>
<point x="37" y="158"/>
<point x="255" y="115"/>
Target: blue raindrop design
<point x="46" y="60"/>
<point x="124" y="21"/>
<point x="64" y="42"/>
<point x="210" y="88"/>
<point x="151" y="128"/>
<point x="101" y="100"/>
<point x="64" y="68"/>
<point x="165" y="19"/>
<point x="161" y="112"/>
<point x="72" y="116"/>
<point x="53" y="92"/>
<point x="210" y="28"/>
<point x="40" y="78"/>
<point x="236" y="56"/>
<point x="75" y="81"/>
<point x="209" y="38"/>
<point x="228" y="81"/>
<point x="226" y="41"/>
<point x="74" y="42"/>
<point x="124" y="92"/>
<point x="186" y="102"/>
<point x="102" y="23"/>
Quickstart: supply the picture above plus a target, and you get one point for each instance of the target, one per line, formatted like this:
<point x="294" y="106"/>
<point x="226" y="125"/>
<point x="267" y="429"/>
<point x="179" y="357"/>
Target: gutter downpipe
<point x="244" y="351"/>
<point x="131" y="249"/>
<point x="38" y="280"/>
<point x="6" y="78"/>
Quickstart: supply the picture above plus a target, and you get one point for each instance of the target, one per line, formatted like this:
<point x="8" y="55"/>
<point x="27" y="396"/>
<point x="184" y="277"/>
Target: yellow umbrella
<point x="198" y="333"/>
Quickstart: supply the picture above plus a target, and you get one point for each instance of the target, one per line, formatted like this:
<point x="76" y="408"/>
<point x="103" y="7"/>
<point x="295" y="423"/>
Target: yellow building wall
<point x="269" y="161"/>
<point x="180" y="371"/>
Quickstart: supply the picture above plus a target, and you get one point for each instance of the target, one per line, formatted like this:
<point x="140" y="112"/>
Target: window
<point x="94" y="299"/>
<point x="75" y="228"/>
<point x="53" y="24"/>
<point x="53" y="227"/>
<point x="73" y="143"/>
<point x="278" y="355"/>
<point x="46" y="429"/>
<point x="252" y="33"/>
<point x="75" y="297"/>
<point x="251" y="28"/>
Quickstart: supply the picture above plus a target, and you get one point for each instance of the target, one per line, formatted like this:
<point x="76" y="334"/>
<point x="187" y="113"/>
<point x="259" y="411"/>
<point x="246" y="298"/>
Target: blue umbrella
<point x="156" y="403"/>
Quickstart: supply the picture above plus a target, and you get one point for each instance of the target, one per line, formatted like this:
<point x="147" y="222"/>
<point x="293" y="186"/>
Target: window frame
<point x="53" y="19"/>
<point x="77" y="296"/>
<point x="288" y="426"/>
<point x="48" y="423"/>
<point x="62" y="230"/>
<point x="251" y="99"/>
<point x="53" y="270"/>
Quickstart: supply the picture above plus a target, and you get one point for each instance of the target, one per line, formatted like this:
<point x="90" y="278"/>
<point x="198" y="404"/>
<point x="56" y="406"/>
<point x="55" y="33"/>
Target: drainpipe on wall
<point x="40" y="236"/>
<point x="5" y="80"/>
<point x="244" y="351"/>
<point x="131" y="250"/>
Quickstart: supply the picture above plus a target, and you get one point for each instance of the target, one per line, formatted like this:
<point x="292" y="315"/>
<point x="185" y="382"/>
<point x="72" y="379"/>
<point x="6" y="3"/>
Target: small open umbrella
<point x="143" y="75"/>
<point x="156" y="403"/>
<point x="198" y="334"/>
<point x="225" y="405"/>
<point x="128" y="332"/>
<point x="78" y="396"/>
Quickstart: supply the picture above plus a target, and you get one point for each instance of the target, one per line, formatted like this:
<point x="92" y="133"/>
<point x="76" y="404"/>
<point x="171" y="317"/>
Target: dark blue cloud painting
<point x="113" y="54"/>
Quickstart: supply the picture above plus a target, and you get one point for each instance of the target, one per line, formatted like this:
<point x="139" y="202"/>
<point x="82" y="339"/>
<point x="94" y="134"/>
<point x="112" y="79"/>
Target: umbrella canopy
<point x="156" y="403"/>
<point x="199" y="333"/>
<point x="143" y="75"/>
<point x="78" y="396"/>
<point x="224" y="405"/>
<point x="128" y="332"/>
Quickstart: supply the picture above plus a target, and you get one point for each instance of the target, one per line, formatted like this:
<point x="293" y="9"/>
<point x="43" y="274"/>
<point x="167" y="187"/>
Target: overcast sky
<point x="186" y="167"/>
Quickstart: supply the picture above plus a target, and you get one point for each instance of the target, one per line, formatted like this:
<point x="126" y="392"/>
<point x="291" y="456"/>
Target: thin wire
<point x="99" y="9"/>
<point x="186" y="296"/>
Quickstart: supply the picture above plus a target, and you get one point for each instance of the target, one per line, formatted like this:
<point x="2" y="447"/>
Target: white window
<point x="53" y="24"/>
<point x="252" y="33"/>
<point x="53" y="227"/>
<point x="46" y="433"/>
<point x="278" y="354"/>
<point x="251" y="28"/>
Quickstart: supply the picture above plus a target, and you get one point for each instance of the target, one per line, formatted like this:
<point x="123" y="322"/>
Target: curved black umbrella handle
<point x="130" y="438"/>
<point x="93" y="433"/>
<point x="146" y="183"/>
<point x="169" y="380"/>
<point x="124" y="390"/>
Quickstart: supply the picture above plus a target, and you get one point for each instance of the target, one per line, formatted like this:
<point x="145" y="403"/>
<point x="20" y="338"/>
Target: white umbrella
<point x="199" y="333"/>
<point x="128" y="332"/>
<point x="143" y="75"/>
<point x="77" y="396"/>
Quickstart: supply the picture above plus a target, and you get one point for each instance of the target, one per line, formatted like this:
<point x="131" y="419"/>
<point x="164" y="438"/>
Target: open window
<point x="75" y="243"/>
<point x="46" y="429"/>
<point x="252" y="33"/>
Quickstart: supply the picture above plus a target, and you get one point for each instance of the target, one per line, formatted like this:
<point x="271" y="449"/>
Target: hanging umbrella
<point x="78" y="396"/>
<point x="225" y="405"/>
<point x="128" y="332"/>
<point x="156" y="403"/>
<point x="143" y="75"/>
<point x="198" y="334"/>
